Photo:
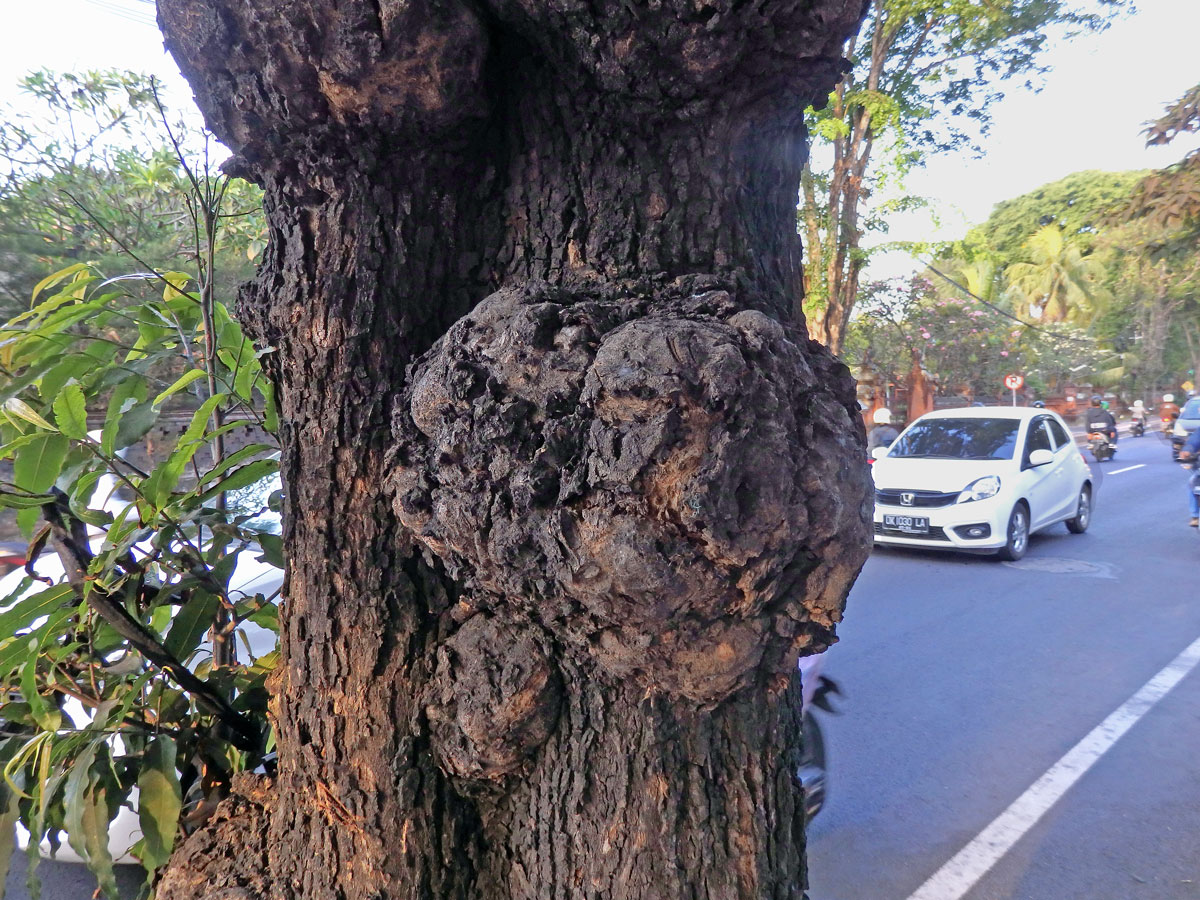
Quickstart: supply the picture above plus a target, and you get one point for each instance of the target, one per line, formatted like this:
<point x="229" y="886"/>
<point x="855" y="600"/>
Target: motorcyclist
<point x="1190" y="449"/>
<point x="1100" y="419"/>
<point x="883" y="433"/>
<point x="1138" y="418"/>
<point x="1168" y="411"/>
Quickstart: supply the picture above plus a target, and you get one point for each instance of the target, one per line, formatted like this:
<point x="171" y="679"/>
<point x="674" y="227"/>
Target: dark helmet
<point x="1097" y="399"/>
<point x="1039" y="404"/>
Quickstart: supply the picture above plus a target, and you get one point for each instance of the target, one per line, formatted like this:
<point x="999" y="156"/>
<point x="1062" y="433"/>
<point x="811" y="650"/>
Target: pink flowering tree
<point x="965" y="345"/>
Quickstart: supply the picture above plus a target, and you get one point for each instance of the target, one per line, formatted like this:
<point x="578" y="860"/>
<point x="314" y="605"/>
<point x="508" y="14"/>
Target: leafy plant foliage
<point x="124" y="683"/>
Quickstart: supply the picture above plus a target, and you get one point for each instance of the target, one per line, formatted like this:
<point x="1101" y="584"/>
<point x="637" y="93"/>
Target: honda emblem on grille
<point x="906" y="499"/>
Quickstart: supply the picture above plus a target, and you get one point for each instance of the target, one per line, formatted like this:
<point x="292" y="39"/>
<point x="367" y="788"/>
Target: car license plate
<point x="907" y="524"/>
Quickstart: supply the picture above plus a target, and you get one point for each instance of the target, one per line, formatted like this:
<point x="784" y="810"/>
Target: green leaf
<point x="164" y="479"/>
<point x="176" y="282"/>
<point x="188" y="377"/>
<point x="160" y="802"/>
<point x="199" y="424"/>
<point x="76" y="797"/>
<point x="191" y="622"/>
<point x="70" y="412"/>
<point x="96" y="822"/>
<point x="240" y="478"/>
<point x="26" y="611"/>
<point x="46" y="715"/>
<point x="235" y="459"/>
<point x="76" y="366"/>
<point x="17" y="443"/>
<point x="57" y="277"/>
<point x="134" y="424"/>
<point x="9" y="813"/>
<point x="22" y="500"/>
<point x="17" y="650"/>
<point x="36" y="465"/>
<point x="267" y="617"/>
<point x="272" y="549"/>
<point x="271" y="412"/>
<point x="15" y="406"/>
<point x="125" y="396"/>
<point x="35" y="468"/>
<point x="247" y="373"/>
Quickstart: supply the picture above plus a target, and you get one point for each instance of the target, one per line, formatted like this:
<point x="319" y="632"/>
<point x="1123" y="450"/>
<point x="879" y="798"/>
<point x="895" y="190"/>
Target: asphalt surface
<point x="966" y="679"/>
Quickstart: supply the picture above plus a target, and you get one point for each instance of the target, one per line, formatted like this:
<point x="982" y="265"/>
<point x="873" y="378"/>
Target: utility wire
<point x="125" y="12"/>
<point x="992" y="306"/>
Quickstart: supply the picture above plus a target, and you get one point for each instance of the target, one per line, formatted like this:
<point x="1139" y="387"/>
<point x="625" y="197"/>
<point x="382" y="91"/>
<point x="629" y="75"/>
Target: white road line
<point x="1127" y="469"/>
<point x="953" y="880"/>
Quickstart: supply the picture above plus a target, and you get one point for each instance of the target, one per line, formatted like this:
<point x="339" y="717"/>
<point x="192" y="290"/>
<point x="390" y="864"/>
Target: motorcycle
<point x="1138" y="428"/>
<point x="1101" y="445"/>
<point x="812" y="772"/>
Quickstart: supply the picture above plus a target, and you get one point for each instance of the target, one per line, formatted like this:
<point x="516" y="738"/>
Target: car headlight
<point x="1179" y="430"/>
<point x="980" y="489"/>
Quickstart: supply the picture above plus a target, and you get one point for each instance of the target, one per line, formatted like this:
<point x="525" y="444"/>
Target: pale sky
<point x="1089" y="115"/>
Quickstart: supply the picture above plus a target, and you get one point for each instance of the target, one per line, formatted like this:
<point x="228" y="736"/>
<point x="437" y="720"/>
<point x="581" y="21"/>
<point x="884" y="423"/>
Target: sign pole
<point x="1012" y="382"/>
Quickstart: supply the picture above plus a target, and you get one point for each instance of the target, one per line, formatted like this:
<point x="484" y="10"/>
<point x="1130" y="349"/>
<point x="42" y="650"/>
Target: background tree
<point x="1058" y="282"/>
<point x="1080" y="205"/>
<point x="963" y="344"/>
<point x="924" y="75"/>
<point x="1171" y="198"/>
<point x="1167" y="204"/>
<point x="88" y="171"/>
<point x="966" y="346"/>
<point x="565" y="499"/>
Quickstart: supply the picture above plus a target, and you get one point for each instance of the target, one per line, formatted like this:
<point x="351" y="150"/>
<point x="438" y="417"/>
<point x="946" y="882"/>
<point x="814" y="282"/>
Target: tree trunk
<point x="565" y="500"/>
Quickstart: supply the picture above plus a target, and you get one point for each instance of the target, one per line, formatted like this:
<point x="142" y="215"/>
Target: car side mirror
<point x="879" y="452"/>
<point x="1040" y="458"/>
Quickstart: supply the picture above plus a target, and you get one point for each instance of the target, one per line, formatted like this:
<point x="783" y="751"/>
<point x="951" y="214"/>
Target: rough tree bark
<point x="567" y="494"/>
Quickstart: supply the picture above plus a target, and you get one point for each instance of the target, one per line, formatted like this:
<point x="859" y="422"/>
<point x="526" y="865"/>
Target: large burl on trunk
<point x="569" y="492"/>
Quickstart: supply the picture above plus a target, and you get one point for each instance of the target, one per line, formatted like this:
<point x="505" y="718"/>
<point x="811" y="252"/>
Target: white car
<point x="982" y="478"/>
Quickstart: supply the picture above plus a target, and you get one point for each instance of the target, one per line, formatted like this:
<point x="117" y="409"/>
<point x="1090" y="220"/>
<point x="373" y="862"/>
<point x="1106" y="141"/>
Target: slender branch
<point x="70" y="540"/>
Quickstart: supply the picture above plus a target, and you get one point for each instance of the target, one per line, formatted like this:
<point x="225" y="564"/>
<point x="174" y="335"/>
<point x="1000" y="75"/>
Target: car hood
<point x="944" y="475"/>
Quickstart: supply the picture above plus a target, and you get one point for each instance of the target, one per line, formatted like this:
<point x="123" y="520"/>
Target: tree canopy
<point x="89" y="171"/>
<point x="1080" y="205"/>
<point x="924" y="76"/>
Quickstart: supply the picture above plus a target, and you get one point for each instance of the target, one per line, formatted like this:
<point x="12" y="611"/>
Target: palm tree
<point x="1058" y="283"/>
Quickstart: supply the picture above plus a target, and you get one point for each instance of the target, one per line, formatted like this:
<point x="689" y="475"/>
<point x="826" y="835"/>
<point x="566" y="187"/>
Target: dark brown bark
<point x="550" y="566"/>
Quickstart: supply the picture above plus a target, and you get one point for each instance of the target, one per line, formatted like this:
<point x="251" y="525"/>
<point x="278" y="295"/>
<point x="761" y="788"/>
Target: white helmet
<point x="883" y="416"/>
<point x="1168" y="398"/>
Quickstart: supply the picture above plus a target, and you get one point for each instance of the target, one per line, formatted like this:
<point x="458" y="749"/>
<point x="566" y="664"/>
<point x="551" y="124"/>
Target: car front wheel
<point x="1078" y="524"/>
<point x="1018" y="534"/>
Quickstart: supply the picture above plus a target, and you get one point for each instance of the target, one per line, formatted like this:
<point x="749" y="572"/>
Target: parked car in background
<point x="1188" y="421"/>
<point x="980" y="479"/>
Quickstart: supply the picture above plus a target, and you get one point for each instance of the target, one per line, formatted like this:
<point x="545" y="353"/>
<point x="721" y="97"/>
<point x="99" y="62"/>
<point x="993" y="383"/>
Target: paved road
<point x="967" y="679"/>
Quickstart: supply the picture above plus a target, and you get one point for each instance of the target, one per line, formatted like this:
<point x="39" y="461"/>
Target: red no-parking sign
<point x="1013" y="382"/>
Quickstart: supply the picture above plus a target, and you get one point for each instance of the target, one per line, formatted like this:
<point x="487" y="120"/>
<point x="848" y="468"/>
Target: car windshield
<point x="958" y="439"/>
<point x="1191" y="409"/>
